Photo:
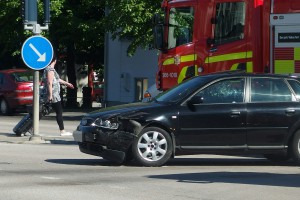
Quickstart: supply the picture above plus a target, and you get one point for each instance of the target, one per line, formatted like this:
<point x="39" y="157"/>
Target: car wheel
<point x="295" y="148"/>
<point x="5" y="109"/>
<point x="152" y="147"/>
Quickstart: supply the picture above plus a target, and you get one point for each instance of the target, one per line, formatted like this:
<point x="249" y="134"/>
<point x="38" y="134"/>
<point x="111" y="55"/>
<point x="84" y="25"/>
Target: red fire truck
<point x="197" y="37"/>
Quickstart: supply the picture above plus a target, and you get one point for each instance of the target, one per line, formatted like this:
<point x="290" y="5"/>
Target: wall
<point x="121" y="71"/>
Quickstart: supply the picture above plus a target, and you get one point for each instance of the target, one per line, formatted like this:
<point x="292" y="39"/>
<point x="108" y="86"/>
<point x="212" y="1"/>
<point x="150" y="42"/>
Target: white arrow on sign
<point x="42" y="58"/>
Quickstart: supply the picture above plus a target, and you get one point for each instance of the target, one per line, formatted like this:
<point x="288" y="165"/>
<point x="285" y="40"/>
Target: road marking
<point x="50" y="178"/>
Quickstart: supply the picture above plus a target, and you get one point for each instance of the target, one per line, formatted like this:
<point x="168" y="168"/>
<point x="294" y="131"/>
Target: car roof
<point x="8" y="71"/>
<point x="236" y="73"/>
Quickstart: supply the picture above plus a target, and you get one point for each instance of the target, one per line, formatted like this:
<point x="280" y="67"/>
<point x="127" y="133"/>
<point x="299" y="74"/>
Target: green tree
<point x="78" y="34"/>
<point x="11" y="32"/>
<point x="77" y="30"/>
<point x="132" y="19"/>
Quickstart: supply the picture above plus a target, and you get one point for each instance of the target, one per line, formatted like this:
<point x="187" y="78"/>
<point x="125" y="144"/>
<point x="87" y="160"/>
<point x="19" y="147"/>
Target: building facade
<point x="127" y="78"/>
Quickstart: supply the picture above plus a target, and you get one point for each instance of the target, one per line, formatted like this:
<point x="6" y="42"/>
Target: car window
<point x="269" y="90"/>
<point x="22" y="76"/>
<point x="224" y="91"/>
<point x="182" y="90"/>
<point x="296" y="87"/>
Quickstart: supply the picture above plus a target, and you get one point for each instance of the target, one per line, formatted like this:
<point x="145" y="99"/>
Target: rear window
<point x="269" y="90"/>
<point x="296" y="87"/>
<point x="22" y="76"/>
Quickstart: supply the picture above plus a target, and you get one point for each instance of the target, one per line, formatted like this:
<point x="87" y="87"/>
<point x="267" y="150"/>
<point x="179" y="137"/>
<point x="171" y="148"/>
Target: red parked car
<point x="16" y="89"/>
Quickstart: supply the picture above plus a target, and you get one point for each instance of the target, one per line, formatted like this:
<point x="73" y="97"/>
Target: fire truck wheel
<point x="152" y="147"/>
<point x="295" y="148"/>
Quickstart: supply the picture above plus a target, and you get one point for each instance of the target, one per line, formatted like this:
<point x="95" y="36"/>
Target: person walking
<point x="51" y="93"/>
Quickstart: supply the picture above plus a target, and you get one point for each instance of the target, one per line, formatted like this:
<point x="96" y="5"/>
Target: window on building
<point x="141" y="85"/>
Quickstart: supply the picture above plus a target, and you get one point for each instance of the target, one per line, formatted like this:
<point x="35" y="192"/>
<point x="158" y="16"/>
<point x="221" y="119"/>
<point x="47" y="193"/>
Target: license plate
<point x="78" y="136"/>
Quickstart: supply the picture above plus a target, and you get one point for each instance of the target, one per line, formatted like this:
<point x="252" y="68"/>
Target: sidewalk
<point x="68" y="114"/>
<point x="28" y="139"/>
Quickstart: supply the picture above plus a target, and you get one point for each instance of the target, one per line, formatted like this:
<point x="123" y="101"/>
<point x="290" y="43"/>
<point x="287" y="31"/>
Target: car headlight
<point x="109" y="123"/>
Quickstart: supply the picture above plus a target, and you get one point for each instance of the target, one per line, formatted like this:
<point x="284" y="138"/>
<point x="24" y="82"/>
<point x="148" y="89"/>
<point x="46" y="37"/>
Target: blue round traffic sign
<point x="37" y="52"/>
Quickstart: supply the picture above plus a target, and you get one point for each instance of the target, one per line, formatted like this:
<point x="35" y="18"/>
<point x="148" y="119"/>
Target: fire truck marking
<point x="169" y="75"/>
<point x="186" y="58"/>
<point x="230" y="56"/>
<point x="249" y="67"/>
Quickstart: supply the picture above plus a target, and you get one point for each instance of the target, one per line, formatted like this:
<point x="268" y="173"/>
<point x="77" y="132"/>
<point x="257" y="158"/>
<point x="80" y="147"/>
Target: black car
<point x="221" y="113"/>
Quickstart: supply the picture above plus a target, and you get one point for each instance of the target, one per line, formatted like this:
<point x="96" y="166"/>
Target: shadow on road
<point x="185" y="162"/>
<point x="88" y="162"/>
<point x="230" y="161"/>
<point x="249" y="178"/>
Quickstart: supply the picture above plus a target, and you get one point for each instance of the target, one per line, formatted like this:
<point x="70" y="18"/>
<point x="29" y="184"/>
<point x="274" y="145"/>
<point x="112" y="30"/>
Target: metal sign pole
<point x="36" y="105"/>
<point x="30" y="15"/>
<point x="36" y="97"/>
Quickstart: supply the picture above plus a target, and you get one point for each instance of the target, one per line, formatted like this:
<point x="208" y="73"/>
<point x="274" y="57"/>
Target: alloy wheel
<point x="152" y="146"/>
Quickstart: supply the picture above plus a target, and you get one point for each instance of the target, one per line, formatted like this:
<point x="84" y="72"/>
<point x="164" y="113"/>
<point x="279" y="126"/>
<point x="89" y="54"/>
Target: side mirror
<point x="156" y="19"/>
<point x="213" y="21"/>
<point x="158" y="32"/>
<point x="195" y="100"/>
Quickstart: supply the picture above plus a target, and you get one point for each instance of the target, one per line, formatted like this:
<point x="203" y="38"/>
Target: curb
<point x="28" y="139"/>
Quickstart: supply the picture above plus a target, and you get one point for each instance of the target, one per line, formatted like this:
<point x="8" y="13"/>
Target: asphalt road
<point x="58" y="170"/>
<point x="61" y="172"/>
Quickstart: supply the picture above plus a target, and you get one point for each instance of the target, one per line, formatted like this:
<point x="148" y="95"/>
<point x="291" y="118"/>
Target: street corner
<point x="40" y="139"/>
<point x="65" y="140"/>
<point x="13" y="138"/>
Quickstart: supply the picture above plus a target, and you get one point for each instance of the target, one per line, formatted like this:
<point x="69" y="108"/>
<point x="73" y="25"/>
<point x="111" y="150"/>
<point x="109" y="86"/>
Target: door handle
<point x="212" y="50"/>
<point x="235" y="113"/>
<point x="290" y="111"/>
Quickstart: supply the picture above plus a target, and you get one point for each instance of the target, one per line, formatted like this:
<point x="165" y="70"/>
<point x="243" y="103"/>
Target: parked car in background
<point x="98" y="91"/>
<point x="221" y="113"/>
<point x="150" y="93"/>
<point x="16" y="89"/>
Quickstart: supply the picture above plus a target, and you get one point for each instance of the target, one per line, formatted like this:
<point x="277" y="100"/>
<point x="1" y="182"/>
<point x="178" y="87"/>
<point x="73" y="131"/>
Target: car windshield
<point x="22" y="76"/>
<point x="182" y="90"/>
<point x="181" y="21"/>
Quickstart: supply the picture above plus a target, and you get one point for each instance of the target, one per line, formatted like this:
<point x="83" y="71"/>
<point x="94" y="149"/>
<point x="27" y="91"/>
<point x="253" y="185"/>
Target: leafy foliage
<point x="132" y="20"/>
<point x="80" y="26"/>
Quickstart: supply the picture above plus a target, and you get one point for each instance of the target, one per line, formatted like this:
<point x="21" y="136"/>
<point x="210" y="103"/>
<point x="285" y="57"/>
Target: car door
<point x="2" y="86"/>
<point x="217" y="122"/>
<point x="229" y="46"/>
<point x="272" y="111"/>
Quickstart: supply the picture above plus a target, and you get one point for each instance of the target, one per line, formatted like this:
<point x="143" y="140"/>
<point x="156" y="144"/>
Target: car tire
<point x="295" y="148"/>
<point x="4" y="107"/>
<point x="152" y="147"/>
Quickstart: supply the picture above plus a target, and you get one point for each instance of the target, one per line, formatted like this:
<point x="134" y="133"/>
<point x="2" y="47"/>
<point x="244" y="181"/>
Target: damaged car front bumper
<point x="108" y="144"/>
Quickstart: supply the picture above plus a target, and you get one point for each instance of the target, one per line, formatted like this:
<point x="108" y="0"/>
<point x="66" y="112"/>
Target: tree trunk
<point x="71" y="93"/>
